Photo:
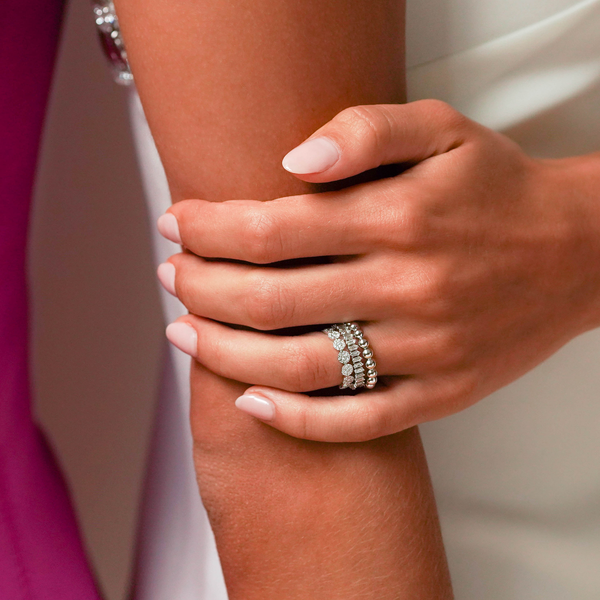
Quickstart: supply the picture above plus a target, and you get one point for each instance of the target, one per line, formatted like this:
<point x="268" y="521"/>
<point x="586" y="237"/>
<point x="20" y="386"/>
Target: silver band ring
<point x="354" y="354"/>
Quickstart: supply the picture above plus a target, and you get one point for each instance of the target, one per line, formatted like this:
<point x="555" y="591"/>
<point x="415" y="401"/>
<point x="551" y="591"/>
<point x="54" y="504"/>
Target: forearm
<point x="230" y="86"/>
<point x="307" y="520"/>
<point x="228" y="89"/>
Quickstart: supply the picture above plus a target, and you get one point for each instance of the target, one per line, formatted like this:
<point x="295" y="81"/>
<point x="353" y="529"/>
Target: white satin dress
<point x="517" y="477"/>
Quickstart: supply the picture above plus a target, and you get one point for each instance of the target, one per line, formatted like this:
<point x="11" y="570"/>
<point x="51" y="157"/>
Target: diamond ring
<point x="354" y="354"/>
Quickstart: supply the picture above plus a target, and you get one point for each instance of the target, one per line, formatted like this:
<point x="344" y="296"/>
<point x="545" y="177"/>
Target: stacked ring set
<point x="355" y="355"/>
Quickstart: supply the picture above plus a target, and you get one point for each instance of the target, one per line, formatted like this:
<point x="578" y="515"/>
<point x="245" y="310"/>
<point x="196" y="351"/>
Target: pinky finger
<point x="358" y="418"/>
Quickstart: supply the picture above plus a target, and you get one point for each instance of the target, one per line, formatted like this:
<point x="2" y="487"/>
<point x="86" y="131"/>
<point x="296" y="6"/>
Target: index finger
<point x="311" y="225"/>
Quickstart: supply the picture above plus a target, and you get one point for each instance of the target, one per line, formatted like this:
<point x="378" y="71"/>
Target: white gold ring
<point x="355" y="355"/>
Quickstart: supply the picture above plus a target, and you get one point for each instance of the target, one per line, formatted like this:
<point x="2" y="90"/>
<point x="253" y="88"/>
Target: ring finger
<point x="300" y="363"/>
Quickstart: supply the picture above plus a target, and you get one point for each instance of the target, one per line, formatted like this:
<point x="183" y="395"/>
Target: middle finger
<point x="268" y="298"/>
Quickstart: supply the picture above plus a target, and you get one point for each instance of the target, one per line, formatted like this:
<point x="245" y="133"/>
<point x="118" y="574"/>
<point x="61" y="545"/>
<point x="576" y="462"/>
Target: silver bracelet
<point x="112" y="40"/>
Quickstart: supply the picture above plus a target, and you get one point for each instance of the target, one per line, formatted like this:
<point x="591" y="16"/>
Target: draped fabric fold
<point x="516" y="476"/>
<point x="41" y="555"/>
<point x="507" y="80"/>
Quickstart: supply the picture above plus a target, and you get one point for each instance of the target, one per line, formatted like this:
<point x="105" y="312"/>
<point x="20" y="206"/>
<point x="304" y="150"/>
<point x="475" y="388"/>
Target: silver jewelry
<point x="112" y="40"/>
<point x="355" y="355"/>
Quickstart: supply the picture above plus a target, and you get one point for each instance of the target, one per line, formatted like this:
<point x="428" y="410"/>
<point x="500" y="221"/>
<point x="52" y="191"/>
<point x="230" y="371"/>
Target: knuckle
<point x="451" y="348"/>
<point x="445" y="115"/>
<point x="268" y="305"/>
<point x="304" y="371"/>
<point x="397" y="225"/>
<point x="411" y="225"/>
<point x="402" y="220"/>
<point x="369" y="126"/>
<point x="212" y="354"/>
<point x="261" y="243"/>
<point x="433" y="292"/>
<point x="304" y="424"/>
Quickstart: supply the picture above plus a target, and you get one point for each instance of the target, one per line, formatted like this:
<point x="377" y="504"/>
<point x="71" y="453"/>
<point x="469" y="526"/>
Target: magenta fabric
<point x="41" y="555"/>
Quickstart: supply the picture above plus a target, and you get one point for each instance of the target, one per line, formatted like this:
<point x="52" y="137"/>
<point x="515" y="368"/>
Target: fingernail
<point x="314" y="156"/>
<point x="169" y="228"/>
<point x="184" y="337"/>
<point x="166" y="276"/>
<point x="257" y="406"/>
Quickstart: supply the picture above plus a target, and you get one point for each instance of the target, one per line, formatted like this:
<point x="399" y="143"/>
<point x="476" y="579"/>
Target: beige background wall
<point x="97" y="327"/>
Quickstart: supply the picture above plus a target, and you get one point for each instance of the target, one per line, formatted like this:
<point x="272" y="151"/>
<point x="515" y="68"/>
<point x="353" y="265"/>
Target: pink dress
<point x="41" y="556"/>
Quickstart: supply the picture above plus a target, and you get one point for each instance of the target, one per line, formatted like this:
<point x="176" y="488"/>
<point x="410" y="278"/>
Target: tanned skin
<point x="229" y="87"/>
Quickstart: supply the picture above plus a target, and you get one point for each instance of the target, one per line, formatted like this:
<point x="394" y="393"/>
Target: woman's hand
<point x="464" y="271"/>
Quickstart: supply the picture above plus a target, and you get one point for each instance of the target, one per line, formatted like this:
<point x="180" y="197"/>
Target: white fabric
<point x="177" y="557"/>
<point x="509" y="79"/>
<point x="439" y="28"/>
<point x="517" y="476"/>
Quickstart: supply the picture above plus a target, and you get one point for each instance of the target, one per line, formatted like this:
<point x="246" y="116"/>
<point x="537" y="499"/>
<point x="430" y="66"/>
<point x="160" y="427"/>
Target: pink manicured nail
<point x="315" y="156"/>
<point x="166" y="276"/>
<point x="257" y="406"/>
<point x="184" y="337"/>
<point x="169" y="228"/>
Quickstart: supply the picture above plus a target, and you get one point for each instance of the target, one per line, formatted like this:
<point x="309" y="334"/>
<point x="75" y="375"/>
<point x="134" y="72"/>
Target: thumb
<point x="364" y="137"/>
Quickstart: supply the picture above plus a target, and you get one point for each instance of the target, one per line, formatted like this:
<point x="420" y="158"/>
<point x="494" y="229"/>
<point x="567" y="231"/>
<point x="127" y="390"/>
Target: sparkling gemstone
<point x="352" y="347"/>
<point x="355" y="353"/>
<point x="332" y="334"/>
<point x="111" y="40"/>
<point x="339" y="344"/>
<point x="347" y="369"/>
<point x="344" y="357"/>
<point x="348" y="380"/>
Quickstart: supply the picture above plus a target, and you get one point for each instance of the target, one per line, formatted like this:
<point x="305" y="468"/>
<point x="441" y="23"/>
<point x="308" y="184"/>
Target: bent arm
<point x="229" y="86"/>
